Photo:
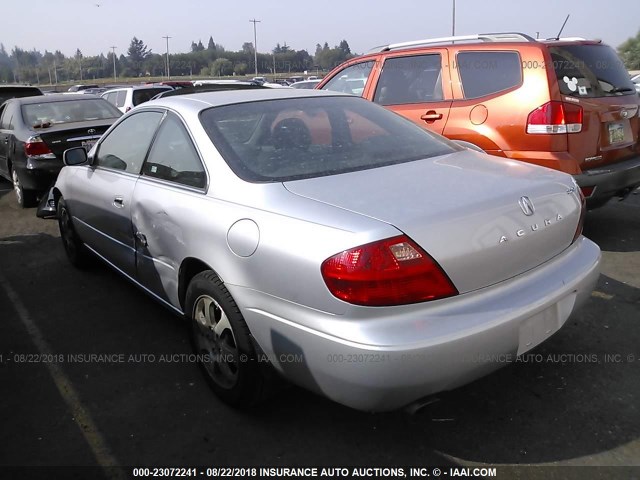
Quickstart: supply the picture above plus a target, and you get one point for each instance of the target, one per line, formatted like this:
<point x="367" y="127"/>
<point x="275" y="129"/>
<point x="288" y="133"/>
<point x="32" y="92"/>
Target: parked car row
<point x="125" y="98"/>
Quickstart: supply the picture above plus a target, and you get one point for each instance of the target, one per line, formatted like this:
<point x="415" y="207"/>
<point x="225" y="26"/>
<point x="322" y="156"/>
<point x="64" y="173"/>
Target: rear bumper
<point x="611" y="180"/>
<point x="38" y="175"/>
<point x="383" y="359"/>
<point x="47" y="207"/>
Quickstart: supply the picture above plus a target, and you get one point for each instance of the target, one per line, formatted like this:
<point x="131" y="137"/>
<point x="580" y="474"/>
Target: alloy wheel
<point x="214" y="337"/>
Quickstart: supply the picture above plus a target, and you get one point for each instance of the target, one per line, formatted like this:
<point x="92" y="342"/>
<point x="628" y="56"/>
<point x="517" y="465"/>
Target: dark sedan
<point x="34" y="131"/>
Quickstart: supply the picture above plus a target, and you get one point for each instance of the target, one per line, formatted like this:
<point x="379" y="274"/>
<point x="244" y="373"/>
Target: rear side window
<point x="110" y="97"/>
<point x="590" y="71"/>
<point x="410" y="80"/>
<point x="351" y="80"/>
<point x="121" y="98"/>
<point x="173" y="156"/>
<point x="486" y="73"/>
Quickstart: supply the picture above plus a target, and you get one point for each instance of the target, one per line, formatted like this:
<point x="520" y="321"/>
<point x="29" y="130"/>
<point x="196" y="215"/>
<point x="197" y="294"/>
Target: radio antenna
<point x="563" y="25"/>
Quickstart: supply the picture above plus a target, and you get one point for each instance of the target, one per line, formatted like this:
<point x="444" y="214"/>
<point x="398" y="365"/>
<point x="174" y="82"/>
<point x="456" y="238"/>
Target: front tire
<point x="25" y="198"/>
<point x="223" y="342"/>
<point x="76" y="251"/>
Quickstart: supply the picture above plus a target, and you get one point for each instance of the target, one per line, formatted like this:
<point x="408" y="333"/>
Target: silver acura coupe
<point x="321" y="236"/>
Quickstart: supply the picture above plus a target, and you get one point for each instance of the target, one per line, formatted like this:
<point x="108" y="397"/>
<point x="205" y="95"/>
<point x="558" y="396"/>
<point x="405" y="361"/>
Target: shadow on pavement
<point x="571" y="401"/>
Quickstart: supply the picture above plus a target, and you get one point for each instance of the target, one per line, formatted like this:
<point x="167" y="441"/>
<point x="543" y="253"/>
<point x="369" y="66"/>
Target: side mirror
<point x="75" y="156"/>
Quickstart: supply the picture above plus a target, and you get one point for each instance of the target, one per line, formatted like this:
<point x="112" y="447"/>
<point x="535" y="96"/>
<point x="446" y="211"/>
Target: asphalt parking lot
<point x="94" y="372"/>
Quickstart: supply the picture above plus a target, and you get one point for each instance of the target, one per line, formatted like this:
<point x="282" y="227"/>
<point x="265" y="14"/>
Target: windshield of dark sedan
<point x="45" y="114"/>
<point x="288" y="139"/>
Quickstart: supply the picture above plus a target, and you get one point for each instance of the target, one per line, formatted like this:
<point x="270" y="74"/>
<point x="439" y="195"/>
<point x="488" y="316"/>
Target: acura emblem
<point x="527" y="206"/>
<point x="91" y="131"/>
<point x="625" y="114"/>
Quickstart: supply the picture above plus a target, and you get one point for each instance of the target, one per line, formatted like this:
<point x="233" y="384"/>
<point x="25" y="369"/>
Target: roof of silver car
<point x="199" y="101"/>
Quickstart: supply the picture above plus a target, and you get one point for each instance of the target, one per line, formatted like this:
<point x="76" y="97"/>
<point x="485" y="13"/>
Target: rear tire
<point x="25" y="198"/>
<point x="222" y="339"/>
<point x="76" y="252"/>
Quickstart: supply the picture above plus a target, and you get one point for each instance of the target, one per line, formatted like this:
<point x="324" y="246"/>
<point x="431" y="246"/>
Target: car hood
<point x="464" y="210"/>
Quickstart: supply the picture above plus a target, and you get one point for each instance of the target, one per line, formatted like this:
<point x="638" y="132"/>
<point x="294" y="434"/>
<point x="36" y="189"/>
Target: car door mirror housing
<point x="75" y="156"/>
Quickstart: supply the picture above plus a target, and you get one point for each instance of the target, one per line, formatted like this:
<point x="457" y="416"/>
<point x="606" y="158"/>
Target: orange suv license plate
<point x="616" y="133"/>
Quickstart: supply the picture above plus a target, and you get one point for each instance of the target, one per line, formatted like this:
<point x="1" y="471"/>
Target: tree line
<point x="33" y="66"/>
<point x="629" y="52"/>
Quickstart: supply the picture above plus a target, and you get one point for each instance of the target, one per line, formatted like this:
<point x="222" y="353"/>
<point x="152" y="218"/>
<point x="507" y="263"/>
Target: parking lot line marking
<point x="81" y="415"/>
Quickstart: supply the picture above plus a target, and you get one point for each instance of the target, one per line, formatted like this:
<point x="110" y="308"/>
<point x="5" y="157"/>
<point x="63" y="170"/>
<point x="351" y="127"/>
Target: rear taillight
<point x="583" y="212"/>
<point x="36" y="147"/>
<point x="395" y="271"/>
<point x="555" y="117"/>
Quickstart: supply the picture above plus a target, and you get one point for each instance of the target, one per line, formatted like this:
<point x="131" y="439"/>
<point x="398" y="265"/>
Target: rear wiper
<point x="622" y="90"/>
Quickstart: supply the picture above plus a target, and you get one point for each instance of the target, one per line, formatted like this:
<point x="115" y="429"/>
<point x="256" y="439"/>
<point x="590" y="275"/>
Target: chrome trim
<point x="169" y="183"/>
<point x="86" y="137"/>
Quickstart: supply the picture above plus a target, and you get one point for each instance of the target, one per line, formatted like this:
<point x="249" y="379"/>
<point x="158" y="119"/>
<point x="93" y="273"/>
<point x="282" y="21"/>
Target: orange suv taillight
<point x="555" y="117"/>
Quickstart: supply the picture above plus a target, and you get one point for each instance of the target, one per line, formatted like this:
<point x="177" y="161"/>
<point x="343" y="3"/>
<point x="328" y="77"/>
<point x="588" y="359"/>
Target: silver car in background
<point x="327" y="238"/>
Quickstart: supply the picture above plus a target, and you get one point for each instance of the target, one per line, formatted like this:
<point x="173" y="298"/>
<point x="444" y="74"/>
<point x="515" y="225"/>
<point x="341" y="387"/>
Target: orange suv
<point x="566" y="103"/>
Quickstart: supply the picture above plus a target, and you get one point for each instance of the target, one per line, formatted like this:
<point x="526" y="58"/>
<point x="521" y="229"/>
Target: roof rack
<point x="566" y="39"/>
<point x="480" y="37"/>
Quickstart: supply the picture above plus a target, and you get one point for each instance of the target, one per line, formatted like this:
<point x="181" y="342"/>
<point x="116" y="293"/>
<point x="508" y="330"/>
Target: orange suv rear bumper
<point x="614" y="180"/>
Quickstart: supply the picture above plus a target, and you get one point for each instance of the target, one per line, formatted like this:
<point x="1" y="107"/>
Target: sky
<point x="66" y="25"/>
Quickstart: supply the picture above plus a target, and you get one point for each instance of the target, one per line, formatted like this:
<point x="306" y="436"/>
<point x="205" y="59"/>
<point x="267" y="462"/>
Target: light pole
<point x="168" y="70"/>
<point x="255" y="43"/>
<point x="115" y="78"/>
<point x="453" y="24"/>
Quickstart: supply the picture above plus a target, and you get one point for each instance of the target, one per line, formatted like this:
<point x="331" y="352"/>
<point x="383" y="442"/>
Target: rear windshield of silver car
<point x="289" y="139"/>
<point x="590" y="71"/>
<point x="46" y="114"/>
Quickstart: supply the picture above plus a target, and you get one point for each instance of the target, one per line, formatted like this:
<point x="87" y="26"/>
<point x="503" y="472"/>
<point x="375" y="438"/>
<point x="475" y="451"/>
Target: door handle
<point x="118" y="202"/>
<point x="141" y="238"/>
<point x="431" y="116"/>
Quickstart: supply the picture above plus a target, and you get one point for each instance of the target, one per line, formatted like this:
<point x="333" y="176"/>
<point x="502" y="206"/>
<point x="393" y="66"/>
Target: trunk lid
<point x="76" y="134"/>
<point x="465" y="210"/>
